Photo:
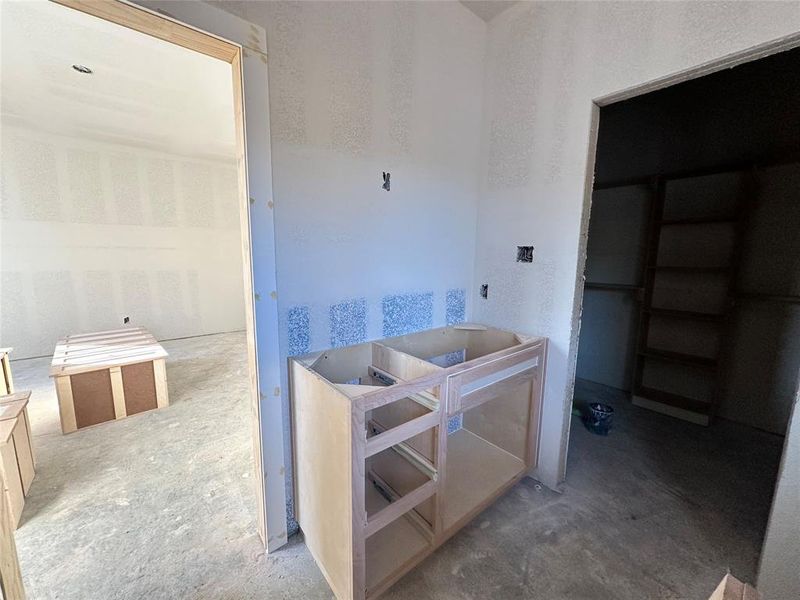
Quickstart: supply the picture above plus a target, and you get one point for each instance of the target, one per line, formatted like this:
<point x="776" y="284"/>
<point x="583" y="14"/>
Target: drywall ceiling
<point x="488" y="9"/>
<point x="142" y="91"/>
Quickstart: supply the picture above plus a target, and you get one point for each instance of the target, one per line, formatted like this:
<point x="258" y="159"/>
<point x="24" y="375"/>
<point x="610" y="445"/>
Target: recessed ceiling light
<point x="82" y="69"/>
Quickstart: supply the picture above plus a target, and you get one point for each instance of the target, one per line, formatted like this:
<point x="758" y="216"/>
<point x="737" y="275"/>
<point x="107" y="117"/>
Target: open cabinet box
<point x="399" y="443"/>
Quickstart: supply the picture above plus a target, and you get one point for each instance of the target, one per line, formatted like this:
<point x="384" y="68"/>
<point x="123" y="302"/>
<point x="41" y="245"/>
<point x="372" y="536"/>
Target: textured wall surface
<point x="356" y="89"/>
<point x="91" y="232"/>
<point x="546" y="62"/>
<point x="778" y="575"/>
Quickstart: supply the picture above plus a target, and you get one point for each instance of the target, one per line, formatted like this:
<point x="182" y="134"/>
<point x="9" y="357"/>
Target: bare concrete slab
<point x="162" y="505"/>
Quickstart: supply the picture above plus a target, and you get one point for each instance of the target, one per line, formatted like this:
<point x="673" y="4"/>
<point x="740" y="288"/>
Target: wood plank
<point x="397" y="413"/>
<point x="86" y="365"/>
<point x="396" y="473"/>
<point x="66" y="404"/>
<point x="766" y="297"/>
<point x="680" y="358"/>
<point x="380" y="493"/>
<point x="401" y="365"/>
<point x="15" y="406"/>
<point x="10" y="479"/>
<point x="394" y="393"/>
<point x="688" y="315"/>
<point x="11" y="410"/>
<point x="135" y="330"/>
<point x="162" y="389"/>
<point x="10" y="575"/>
<point x="5" y="364"/>
<point x="73" y="352"/>
<point x="687" y="269"/>
<point x="105" y="349"/>
<point x="401" y="433"/>
<point x="15" y="397"/>
<point x="399" y="507"/>
<point x="699" y="221"/>
<point x="613" y="287"/>
<point x="24" y="455"/>
<point x="358" y="501"/>
<point x="30" y="435"/>
<point x="676" y="400"/>
<point x="537" y="405"/>
<point x="356" y="390"/>
<point x="118" y="392"/>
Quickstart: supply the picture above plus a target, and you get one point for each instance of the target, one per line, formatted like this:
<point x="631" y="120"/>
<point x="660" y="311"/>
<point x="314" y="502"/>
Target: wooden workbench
<point x="108" y="375"/>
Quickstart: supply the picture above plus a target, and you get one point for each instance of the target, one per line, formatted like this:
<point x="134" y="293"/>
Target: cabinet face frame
<point x="349" y="403"/>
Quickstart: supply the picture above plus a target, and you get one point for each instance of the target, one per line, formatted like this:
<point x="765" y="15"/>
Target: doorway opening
<point x="125" y="205"/>
<point x="691" y="314"/>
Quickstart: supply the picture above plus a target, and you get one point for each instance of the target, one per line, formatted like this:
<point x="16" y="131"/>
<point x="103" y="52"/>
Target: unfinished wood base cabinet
<point x="16" y="452"/>
<point x="108" y="375"/>
<point x="400" y="443"/>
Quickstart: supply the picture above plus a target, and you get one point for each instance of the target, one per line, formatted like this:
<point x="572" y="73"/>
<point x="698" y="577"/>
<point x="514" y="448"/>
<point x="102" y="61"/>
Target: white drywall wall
<point x="358" y="89"/>
<point x="92" y="231"/>
<point x="778" y="575"/>
<point x="546" y="62"/>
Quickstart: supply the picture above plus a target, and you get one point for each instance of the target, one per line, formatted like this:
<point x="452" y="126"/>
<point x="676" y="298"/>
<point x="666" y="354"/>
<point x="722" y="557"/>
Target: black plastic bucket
<point x="598" y="419"/>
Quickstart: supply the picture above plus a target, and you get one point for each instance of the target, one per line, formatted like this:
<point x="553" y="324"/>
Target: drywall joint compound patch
<point x="406" y="313"/>
<point x="455" y="306"/>
<point x="348" y="322"/>
<point x="299" y="330"/>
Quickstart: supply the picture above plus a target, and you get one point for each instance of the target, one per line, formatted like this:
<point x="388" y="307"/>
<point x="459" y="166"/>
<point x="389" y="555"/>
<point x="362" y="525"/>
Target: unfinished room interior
<point x="400" y="299"/>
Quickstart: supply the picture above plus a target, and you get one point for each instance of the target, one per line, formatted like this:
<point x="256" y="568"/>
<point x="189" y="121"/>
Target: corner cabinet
<point x="400" y="443"/>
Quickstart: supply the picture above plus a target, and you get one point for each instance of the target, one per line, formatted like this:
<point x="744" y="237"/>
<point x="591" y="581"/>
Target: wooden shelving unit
<point x="696" y="409"/>
<point x="687" y="342"/>
<point x="380" y="483"/>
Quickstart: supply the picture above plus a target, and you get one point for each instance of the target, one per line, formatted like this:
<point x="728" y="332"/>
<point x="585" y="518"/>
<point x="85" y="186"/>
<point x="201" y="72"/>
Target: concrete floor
<point x="161" y="505"/>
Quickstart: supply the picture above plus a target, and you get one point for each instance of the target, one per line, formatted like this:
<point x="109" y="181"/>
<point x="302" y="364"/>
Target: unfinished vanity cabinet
<point x="399" y="443"/>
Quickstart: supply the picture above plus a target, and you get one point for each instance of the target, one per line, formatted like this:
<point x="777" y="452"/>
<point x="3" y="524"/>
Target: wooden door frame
<point x="146" y="21"/>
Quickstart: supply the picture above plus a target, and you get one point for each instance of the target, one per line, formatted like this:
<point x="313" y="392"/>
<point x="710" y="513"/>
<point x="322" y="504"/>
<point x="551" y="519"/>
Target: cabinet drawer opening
<point x="400" y="542"/>
<point x="398" y="480"/>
